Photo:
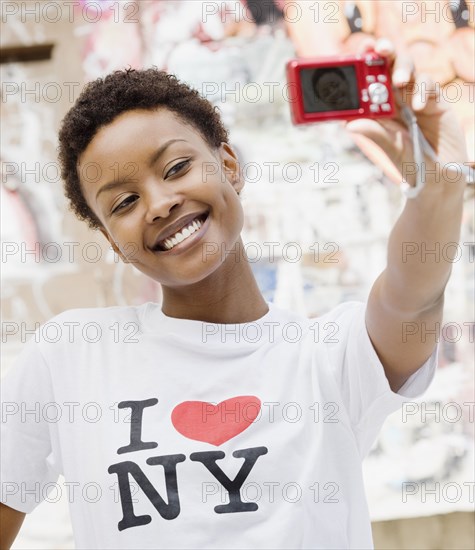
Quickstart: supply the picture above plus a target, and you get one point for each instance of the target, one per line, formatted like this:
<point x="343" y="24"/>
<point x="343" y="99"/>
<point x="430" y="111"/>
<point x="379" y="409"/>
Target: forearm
<point x="10" y="523"/>
<point x="420" y="253"/>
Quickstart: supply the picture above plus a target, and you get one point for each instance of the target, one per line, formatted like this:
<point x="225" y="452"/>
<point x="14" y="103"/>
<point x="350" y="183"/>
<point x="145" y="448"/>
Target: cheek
<point x="233" y="215"/>
<point x="126" y="236"/>
<point x="226" y="211"/>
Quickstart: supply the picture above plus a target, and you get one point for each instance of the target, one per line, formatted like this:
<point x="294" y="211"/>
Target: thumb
<point x="390" y="142"/>
<point x="377" y="155"/>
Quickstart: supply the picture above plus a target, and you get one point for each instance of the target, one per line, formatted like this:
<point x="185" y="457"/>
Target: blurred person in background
<point x="437" y="35"/>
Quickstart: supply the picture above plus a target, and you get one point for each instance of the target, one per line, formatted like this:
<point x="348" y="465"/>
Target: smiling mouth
<point x="182" y="235"/>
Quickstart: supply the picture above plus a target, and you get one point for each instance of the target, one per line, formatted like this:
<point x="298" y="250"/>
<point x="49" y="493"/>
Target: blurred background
<point x="310" y="190"/>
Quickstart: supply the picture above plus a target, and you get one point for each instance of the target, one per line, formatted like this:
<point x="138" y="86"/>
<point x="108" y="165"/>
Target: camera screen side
<point x="328" y="89"/>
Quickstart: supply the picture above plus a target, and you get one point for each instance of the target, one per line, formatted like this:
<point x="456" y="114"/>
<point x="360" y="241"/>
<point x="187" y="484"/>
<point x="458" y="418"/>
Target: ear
<point x="232" y="167"/>
<point x="114" y="246"/>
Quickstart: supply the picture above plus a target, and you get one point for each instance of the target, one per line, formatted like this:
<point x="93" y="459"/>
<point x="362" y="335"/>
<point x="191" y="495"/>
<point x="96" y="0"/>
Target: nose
<point x="160" y="201"/>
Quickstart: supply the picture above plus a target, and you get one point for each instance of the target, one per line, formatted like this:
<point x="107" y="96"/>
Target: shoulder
<point x="90" y="325"/>
<point x="332" y="328"/>
<point x="337" y="327"/>
<point x="346" y="312"/>
<point x="101" y="315"/>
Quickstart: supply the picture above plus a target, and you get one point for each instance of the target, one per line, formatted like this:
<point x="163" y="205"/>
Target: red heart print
<point x="215" y="424"/>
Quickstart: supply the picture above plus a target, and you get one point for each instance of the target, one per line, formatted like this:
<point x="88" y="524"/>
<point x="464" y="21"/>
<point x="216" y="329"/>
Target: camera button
<point x="385" y="107"/>
<point x="374" y="108"/>
<point x="378" y="93"/>
<point x="382" y="78"/>
<point x="370" y="78"/>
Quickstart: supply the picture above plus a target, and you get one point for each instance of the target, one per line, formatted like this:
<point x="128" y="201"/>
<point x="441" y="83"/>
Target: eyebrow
<point x="153" y="159"/>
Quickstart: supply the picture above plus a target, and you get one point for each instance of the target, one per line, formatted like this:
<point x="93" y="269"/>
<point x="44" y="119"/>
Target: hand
<point x="435" y="119"/>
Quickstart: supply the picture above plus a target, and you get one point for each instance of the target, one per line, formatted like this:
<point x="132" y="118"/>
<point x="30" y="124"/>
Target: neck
<point x="229" y="295"/>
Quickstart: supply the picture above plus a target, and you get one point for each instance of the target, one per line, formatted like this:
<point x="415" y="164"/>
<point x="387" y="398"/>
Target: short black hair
<point x="103" y="99"/>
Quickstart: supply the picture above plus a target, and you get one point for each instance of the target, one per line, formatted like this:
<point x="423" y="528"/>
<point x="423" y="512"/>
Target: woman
<point x="217" y="420"/>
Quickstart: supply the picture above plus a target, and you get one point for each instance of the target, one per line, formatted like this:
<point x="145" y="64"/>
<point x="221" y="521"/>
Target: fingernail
<point x="385" y="44"/>
<point x="400" y="76"/>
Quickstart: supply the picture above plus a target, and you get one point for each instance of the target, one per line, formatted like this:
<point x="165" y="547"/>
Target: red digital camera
<point x="339" y="88"/>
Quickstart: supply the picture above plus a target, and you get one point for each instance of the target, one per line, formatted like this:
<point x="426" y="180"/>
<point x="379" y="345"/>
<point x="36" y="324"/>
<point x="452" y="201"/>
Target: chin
<point x="190" y="276"/>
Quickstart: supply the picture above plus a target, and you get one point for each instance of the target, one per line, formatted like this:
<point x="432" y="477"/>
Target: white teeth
<point x="180" y="236"/>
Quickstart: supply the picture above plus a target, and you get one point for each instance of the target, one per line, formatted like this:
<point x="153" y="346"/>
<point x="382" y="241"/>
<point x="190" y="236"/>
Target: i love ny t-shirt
<point x="175" y="433"/>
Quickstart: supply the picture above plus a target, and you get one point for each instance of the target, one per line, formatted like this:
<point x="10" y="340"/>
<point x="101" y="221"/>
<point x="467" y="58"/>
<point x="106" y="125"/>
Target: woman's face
<point x="148" y="171"/>
<point x="333" y="90"/>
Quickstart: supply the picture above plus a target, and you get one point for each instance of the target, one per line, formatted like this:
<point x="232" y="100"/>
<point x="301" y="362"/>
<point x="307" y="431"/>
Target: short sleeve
<point x="28" y="468"/>
<point x="359" y="373"/>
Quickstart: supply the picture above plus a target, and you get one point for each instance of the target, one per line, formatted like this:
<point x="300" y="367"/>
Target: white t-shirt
<point x="176" y="433"/>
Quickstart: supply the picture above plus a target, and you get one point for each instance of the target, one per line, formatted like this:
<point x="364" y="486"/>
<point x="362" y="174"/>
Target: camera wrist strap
<point x="420" y="146"/>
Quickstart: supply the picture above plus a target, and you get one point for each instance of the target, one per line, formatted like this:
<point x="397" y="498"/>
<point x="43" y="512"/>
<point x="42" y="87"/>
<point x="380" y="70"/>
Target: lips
<point x="175" y="228"/>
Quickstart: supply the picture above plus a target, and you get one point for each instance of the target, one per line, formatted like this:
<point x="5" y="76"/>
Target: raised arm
<point x="408" y="296"/>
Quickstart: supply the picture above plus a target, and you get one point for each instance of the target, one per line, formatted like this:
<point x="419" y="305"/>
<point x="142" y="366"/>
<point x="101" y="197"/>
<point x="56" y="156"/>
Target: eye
<point x="178" y="167"/>
<point x="123" y="204"/>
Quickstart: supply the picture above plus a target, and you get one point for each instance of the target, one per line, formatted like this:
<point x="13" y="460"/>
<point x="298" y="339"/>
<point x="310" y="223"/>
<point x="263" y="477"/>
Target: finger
<point x="385" y="48"/>
<point x="377" y="156"/>
<point x="425" y="91"/>
<point x="366" y="45"/>
<point x="403" y="70"/>
<point x="386" y="134"/>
